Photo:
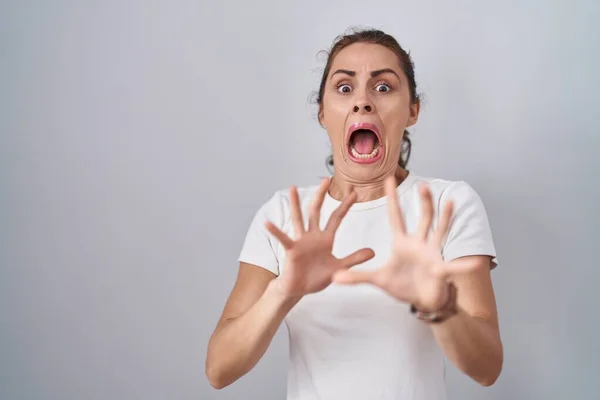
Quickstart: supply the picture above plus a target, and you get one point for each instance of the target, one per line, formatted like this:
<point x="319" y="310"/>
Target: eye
<point x="383" y="88"/>
<point x="344" y="88"/>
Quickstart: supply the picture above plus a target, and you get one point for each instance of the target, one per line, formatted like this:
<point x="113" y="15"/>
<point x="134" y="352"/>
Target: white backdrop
<point x="137" y="139"/>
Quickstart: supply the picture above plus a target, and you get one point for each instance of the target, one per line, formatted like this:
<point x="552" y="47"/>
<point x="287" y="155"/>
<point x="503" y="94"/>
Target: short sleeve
<point x="260" y="247"/>
<point x="470" y="233"/>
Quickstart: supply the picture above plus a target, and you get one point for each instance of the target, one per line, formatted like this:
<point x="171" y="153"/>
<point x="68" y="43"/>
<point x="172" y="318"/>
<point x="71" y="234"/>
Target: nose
<point x="363" y="106"/>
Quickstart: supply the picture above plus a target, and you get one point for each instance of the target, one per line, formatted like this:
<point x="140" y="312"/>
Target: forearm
<point x="236" y="347"/>
<point x="473" y="345"/>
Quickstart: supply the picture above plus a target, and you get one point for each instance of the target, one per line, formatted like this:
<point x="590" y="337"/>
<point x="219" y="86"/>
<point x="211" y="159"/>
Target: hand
<point x="310" y="265"/>
<point x="415" y="272"/>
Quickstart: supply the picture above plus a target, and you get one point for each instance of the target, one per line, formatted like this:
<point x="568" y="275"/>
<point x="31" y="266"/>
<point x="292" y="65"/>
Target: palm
<point x="411" y="273"/>
<point x="415" y="272"/>
<point x="310" y="265"/>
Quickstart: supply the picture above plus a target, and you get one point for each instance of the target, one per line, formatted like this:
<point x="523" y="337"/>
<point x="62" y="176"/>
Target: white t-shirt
<point x="357" y="342"/>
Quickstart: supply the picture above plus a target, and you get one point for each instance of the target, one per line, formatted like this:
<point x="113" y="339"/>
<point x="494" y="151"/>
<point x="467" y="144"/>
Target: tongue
<point x="364" y="142"/>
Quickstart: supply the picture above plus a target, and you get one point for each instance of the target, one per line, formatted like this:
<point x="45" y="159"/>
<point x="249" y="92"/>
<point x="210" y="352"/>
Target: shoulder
<point x="470" y="232"/>
<point x="277" y="207"/>
<point x="305" y="195"/>
<point x="281" y="197"/>
<point x="442" y="190"/>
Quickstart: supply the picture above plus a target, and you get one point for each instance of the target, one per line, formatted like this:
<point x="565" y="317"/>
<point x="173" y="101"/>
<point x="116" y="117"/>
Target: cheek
<point x="335" y="120"/>
<point x="394" y="115"/>
<point x="335" y="110"/>
<point x="394" y="104"/>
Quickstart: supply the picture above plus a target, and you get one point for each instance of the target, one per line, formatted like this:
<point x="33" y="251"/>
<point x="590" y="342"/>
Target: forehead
<point x="365" y="57"/>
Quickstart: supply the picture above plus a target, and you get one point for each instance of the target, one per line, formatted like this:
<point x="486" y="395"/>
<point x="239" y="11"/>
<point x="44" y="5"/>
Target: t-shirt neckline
<point x="331" y="203"/>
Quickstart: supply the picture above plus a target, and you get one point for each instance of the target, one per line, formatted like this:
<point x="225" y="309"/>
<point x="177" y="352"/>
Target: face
<point x="366" y="107"/>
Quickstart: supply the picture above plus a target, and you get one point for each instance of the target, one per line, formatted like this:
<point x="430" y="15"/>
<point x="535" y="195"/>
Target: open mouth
<point x="364" y="144"/>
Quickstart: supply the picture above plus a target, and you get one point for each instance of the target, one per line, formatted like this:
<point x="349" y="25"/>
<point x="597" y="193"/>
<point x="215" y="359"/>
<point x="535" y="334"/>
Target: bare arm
<point x="417" y="274"/>
<point x="260" y="301"/>
<point x="253" y="313"/>
<point x="471" y="338"/>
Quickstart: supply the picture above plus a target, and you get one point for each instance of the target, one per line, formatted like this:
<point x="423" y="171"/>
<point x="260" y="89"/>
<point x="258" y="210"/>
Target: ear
<point x="321" y="117"/>
<point x="414" y="114"/>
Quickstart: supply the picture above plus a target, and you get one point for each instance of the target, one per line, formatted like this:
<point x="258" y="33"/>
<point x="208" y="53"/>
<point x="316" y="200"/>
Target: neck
<point x="341" y="185"/>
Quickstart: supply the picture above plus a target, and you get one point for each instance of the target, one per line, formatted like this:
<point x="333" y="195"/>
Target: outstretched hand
<point x="310" y="265"/>
<point x="415" y="272"/>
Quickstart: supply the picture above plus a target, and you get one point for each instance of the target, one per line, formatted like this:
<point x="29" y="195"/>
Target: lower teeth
<point x="364" y="156"/>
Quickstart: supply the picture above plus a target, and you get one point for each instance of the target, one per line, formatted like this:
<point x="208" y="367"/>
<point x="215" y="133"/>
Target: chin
<point x="363" y="171"/>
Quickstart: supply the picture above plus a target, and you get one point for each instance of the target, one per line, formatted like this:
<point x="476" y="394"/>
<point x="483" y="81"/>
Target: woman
<point x="374" y="296"/>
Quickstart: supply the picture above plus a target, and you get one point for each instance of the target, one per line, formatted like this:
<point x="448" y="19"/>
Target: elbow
<point x="215" y="375"/>
<point x="216" y="383"/>
<point x="214" y="368"/>
<point x="492" y="375"/>
<point x="215" y="378"/>
<point x="488" y="381"/>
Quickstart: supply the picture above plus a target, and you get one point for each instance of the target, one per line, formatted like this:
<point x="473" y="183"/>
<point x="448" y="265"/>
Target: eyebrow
<point x="384" y="71"/>
<point x="373" y="73"/>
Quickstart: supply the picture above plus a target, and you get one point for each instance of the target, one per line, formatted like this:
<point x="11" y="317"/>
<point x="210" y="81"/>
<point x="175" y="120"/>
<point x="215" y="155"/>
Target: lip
<point x="364" y="125"/>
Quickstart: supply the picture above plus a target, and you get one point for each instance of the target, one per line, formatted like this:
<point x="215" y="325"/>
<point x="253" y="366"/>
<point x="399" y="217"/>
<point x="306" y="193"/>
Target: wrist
<point x="448" y="308"/>
<point x="277" y="293"/>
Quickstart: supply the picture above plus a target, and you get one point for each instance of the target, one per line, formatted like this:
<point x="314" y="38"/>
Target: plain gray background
<point x="138" y="138"/>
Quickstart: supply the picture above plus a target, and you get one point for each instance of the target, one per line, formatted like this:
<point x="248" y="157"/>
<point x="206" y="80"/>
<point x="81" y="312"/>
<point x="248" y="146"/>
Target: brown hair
<point x="374" y="36"/>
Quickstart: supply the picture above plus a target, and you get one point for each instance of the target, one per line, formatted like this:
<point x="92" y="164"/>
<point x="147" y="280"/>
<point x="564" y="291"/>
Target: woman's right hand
<point x="310" y="265"/>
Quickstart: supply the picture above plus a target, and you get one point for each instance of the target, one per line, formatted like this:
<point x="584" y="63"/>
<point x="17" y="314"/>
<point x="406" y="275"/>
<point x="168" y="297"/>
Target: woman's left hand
<point x="415" y="272"/>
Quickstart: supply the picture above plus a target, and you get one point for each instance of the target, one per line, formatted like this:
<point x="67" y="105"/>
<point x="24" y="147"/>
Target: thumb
<point x="347" y="277"/>
<point x="358" y="257"/>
